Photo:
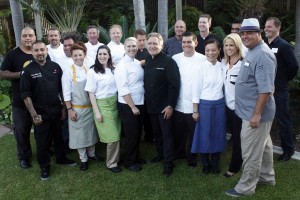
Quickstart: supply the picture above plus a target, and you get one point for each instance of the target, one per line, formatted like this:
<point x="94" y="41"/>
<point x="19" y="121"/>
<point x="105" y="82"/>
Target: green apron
<point x="109" y="130"/>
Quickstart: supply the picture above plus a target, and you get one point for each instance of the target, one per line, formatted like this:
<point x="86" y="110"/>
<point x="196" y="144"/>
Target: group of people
<point x="186" y="92"/>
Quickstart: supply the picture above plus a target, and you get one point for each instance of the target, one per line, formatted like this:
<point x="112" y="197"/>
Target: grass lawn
<point x="99" y="183"/>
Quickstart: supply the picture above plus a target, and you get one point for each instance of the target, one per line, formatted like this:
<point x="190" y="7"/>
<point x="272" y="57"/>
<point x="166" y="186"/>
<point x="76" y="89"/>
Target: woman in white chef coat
<point x="102" y="89"/>
<point x="209" y="109"/>
<point x="82" y="131"/>
<point x="130" y="82"/>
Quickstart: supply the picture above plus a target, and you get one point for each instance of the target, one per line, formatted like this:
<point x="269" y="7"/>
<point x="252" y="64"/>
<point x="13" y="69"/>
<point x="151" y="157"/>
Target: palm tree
<point x="297" y="45"/>
<point x="162" y="20"/>
<point x="17" y="18"/>
<point x="139" y="14"/>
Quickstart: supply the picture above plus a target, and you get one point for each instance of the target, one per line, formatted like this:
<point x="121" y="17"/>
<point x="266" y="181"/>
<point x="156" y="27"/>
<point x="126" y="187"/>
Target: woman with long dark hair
<point x="102" y="89"/>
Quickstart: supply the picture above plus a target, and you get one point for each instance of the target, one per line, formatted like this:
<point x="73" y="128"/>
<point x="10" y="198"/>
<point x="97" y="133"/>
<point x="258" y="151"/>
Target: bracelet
<point x="69" y="108"/>
<point x="170" y="107"/>
<point x="195" y="112"/>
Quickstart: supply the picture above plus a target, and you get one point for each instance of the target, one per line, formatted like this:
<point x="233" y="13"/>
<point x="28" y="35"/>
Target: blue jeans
<point x="284" y="121"/>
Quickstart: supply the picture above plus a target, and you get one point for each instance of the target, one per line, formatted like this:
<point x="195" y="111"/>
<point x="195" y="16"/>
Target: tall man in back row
<point x="255" y="105"/>
<point x="287" y="69"/>
<point x="10" y="70"/>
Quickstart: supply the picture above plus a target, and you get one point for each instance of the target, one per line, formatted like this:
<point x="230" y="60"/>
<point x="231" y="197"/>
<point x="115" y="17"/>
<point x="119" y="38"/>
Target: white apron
<point x="83" y="132"/>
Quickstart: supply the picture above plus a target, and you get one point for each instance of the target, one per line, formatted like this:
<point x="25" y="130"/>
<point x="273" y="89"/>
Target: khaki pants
<point x="112" y="154"/>
<point x="257" y="153"/>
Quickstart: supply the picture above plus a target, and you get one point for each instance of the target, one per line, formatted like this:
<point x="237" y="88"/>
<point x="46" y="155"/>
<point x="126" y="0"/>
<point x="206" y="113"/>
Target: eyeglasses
<point x="235" y="29"/>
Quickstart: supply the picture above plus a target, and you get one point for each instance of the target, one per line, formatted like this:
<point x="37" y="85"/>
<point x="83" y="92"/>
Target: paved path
<point x="4" y="130"/>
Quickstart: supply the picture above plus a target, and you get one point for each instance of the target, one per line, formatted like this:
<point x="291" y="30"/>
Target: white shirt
<point x="229" y="77"/>
<point x="54" y="54"/>
<point x="102" y="85"/>
<point x="187" y="67"/>
<point x="117" y="52"/>
<point x="68" y="82"/>
<point x="208" y="82"/>
<point x="130" y="80"/>
<point x="92" y="49"/>
<point x="66" y="63"/>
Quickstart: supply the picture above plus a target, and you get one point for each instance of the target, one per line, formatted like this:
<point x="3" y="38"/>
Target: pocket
<point x="244" y="72"/>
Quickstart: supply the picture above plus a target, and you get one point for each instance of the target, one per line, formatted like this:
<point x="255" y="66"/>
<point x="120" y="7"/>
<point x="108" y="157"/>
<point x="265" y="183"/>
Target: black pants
<point x="184" y="127"/>
<point x="163" y="134"/>
<point x="132" y="127"/>
<point x="22" y="123"/>
<point x="44" y="134"/>
<point x="235" y="126"/>
<point x="147" y="127"/>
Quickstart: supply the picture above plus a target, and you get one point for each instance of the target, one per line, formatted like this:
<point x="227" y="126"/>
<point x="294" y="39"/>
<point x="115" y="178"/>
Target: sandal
<point x="228" y="174"/>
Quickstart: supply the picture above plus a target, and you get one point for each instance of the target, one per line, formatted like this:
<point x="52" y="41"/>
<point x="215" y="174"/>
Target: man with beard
<point x="41" y="92"/>
<point x="55" y="48"/>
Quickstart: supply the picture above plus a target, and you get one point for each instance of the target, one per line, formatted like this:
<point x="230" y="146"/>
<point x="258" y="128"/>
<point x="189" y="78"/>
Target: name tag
<point x="274" y="50"/>
<point x="233" y="78"/>
<point x="247" y="64"/>
<point x="160" y="68"/>
<point x="36" y="75"/>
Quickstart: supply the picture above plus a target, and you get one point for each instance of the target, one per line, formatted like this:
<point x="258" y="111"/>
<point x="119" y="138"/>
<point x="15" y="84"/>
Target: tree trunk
<point x="178" y="10"/>
<point x="139" y="14"/>
<point x="38" y="20"/>
<point x="17" y="19"/>
<point x="297" y="45"/>
<point x="162" y="20"/>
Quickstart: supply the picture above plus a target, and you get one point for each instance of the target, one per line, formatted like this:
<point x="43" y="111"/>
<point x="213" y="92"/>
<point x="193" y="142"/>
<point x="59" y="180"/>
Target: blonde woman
<point x="233" y="51"/>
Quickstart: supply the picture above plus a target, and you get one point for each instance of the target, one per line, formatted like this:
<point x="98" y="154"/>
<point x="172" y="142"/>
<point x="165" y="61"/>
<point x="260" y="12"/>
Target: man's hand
<point x="254" y="121"/>
<point x="37" y="119"/>
<point x="168" y="112"/>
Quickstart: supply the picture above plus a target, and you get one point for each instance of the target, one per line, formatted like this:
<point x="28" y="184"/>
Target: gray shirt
<point x="173" y="46"/>
<point x="257" y="75"/>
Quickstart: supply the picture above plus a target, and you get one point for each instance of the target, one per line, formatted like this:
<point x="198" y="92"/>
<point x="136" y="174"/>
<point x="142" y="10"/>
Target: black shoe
<point x="215" y="169"/>
<point x="84" y="166"/>
<point x="45" y="172"/>
<point x="66" y="161"/>
<point x="140" y="161"/>
<point x="206" y="169"/>
<point x="25" y="164"/>
<point x="97" y="158"/>
<point x="192" y="163"/>
<point x="157" y="159"/>
<point x="285" y="157"/>
<point x="168" y="169"/>
<point x="134" y="167"/>
<point x="115" y="169"/>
